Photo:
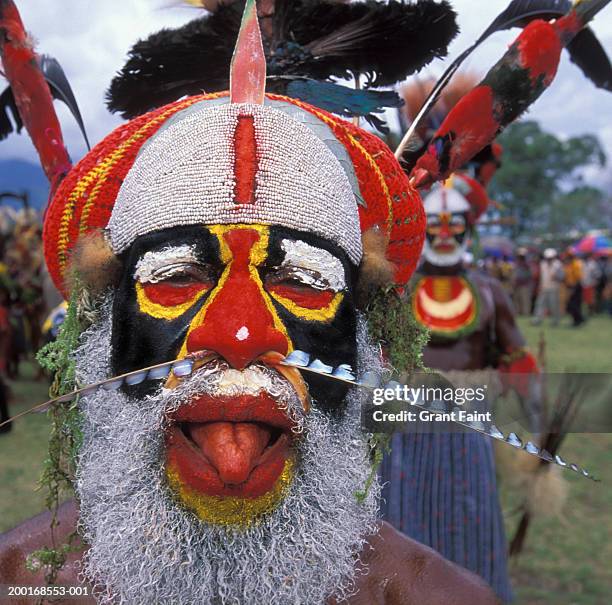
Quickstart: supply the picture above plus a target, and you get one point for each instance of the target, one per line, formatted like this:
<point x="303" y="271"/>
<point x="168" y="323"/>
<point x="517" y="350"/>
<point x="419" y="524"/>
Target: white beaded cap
<point x="184" y="175"/>
<point x="445" y="199"/>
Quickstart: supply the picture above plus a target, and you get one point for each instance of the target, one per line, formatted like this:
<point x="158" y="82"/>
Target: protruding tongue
<point x="232" y="448"/>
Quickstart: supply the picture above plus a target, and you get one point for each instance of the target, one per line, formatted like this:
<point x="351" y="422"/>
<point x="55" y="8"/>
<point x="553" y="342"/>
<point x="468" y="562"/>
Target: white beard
<point x="444" y="260"/>
<point x="146" y="548"/>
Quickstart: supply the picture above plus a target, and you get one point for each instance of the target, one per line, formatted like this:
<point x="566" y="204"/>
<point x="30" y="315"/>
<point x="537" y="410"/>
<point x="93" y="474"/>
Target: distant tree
<point x="541" y="182"/>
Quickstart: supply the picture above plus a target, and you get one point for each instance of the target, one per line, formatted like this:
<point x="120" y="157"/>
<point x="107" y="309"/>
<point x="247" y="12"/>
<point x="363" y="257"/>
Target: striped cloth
<point x="441" y="490"/>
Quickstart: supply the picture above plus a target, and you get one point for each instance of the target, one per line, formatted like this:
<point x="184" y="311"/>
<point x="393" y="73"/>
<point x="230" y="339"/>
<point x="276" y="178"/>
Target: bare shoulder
<point x="403" y="571"/>
<point x="31" y="535"/>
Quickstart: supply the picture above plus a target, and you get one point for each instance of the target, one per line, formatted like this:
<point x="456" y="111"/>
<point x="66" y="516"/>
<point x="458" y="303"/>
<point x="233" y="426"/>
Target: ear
<point x="376" y="269"/>
<point x="93" y="263"/>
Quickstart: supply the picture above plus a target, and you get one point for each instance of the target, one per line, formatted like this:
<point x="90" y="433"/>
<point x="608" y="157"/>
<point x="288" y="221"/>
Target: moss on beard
<point x="65" y="437"/>
<point x="392" y="324"/>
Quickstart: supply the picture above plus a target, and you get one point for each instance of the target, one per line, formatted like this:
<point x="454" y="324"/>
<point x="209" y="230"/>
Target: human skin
<point x="497" y="317"/>
<point x="400" y="570"/>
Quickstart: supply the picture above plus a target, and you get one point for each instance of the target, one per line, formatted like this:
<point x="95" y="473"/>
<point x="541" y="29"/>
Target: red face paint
<point x="303" y="296"/>
<point x="170" y="295"/>
<point x="239" y="321"/>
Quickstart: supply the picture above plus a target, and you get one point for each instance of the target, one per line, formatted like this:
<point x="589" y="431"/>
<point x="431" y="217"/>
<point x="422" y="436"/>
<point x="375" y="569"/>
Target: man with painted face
<point x="470" y="318"/>
<point x="230" y="230"/>
<point x="473" y="331"/>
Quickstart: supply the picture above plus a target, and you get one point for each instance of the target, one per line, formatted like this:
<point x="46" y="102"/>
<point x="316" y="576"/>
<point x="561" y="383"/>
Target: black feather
<point x="520" y="12"/>
<point x="587" y="53"/>
<point x="61" y="89"/>
<point x="7" y="105"/>
<point x="388" y="41"/>
<point x="176" y="62"/>
<point x="518" y="541"/>
<point x="311" y="39"/>
<point x="556" y="424"/>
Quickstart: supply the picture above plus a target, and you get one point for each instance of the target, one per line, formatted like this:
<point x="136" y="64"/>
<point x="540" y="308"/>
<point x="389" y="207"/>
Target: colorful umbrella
<point x="593" y="244"/>
<point x="497" y="246"/>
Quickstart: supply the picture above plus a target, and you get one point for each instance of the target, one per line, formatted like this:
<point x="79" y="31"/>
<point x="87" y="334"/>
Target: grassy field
<point x="22" y="452"/>
<point x="566" y="560"/>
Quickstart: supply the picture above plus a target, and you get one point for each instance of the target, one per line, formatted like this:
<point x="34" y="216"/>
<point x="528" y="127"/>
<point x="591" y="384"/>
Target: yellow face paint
<point x="257" y="256"/>
<point x="146" y="305"/>
<point x="325" y="314"/>
<point x="237" y="512"/>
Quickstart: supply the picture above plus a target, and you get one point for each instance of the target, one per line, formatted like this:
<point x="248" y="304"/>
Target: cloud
<point x="91" y="38"/>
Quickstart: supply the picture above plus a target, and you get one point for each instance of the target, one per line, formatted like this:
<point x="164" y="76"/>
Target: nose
<point x="239" y="345"/>
<point x="444" y="231"/>
<point x="238" y="322"/>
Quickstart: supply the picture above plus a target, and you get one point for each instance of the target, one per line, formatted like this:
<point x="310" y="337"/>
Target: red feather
<point x="483" y="113"/>
<point x="32" y="96"/>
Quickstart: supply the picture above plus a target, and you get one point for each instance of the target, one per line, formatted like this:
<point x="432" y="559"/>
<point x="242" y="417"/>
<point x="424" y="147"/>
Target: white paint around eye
<point x="154" y="260"/>
<point x="306" y="259"/>
<point x="447" y="259"/>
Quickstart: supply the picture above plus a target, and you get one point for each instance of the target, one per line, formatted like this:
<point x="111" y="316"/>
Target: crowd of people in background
<point x="550" y="283"/>
<point x="23" y="301"/>
<point x="543" y="285"/>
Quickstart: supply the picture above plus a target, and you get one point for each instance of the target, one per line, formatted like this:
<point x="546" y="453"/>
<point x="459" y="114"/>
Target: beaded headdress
<point x="460" y="193"/>
<point x="242" y="158"/>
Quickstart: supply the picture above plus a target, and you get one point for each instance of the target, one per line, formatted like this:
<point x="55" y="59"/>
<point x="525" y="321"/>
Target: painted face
<point x="447" y="227"/>
<point x="247" y="294"/>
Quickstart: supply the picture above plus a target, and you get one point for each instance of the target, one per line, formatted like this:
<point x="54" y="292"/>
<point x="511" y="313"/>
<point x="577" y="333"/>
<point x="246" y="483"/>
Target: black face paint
<point x="457" y="227"/>
<point x="140" y="339"/>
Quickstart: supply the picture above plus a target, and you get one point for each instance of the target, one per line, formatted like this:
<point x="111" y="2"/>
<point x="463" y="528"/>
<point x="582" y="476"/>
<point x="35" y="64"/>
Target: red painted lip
<point x="445" y="248"/>
<point x="197" y="471"/>
<point x="242" y="408"/>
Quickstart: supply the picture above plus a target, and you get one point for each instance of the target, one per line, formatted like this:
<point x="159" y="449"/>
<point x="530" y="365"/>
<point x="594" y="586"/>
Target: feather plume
<point x="345" y="101"/>
<point x="8" y="107"/>
<point x="542" y="483"/>
<point x="93" y="263"/>
<point x="588" y="54"/>
<point x="61" y="89"/>
<point x="387" y="42"/>
<point x="376" y="269"/>
<point x="519" y="13"/>
<point x="312" y="39"/>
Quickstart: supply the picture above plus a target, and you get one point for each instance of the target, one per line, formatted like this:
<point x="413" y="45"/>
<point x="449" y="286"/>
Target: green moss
<point x="390" y="322"/>
<point x="65" y="434"/>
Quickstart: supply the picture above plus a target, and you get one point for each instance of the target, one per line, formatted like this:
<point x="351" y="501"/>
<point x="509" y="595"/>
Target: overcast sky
<point x="90" y="38"/>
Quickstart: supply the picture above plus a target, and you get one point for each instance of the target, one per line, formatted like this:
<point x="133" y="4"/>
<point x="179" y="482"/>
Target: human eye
<point x="181" y="275"/>
<point x="173" y="276"/>
<point x="299" y="279"/>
